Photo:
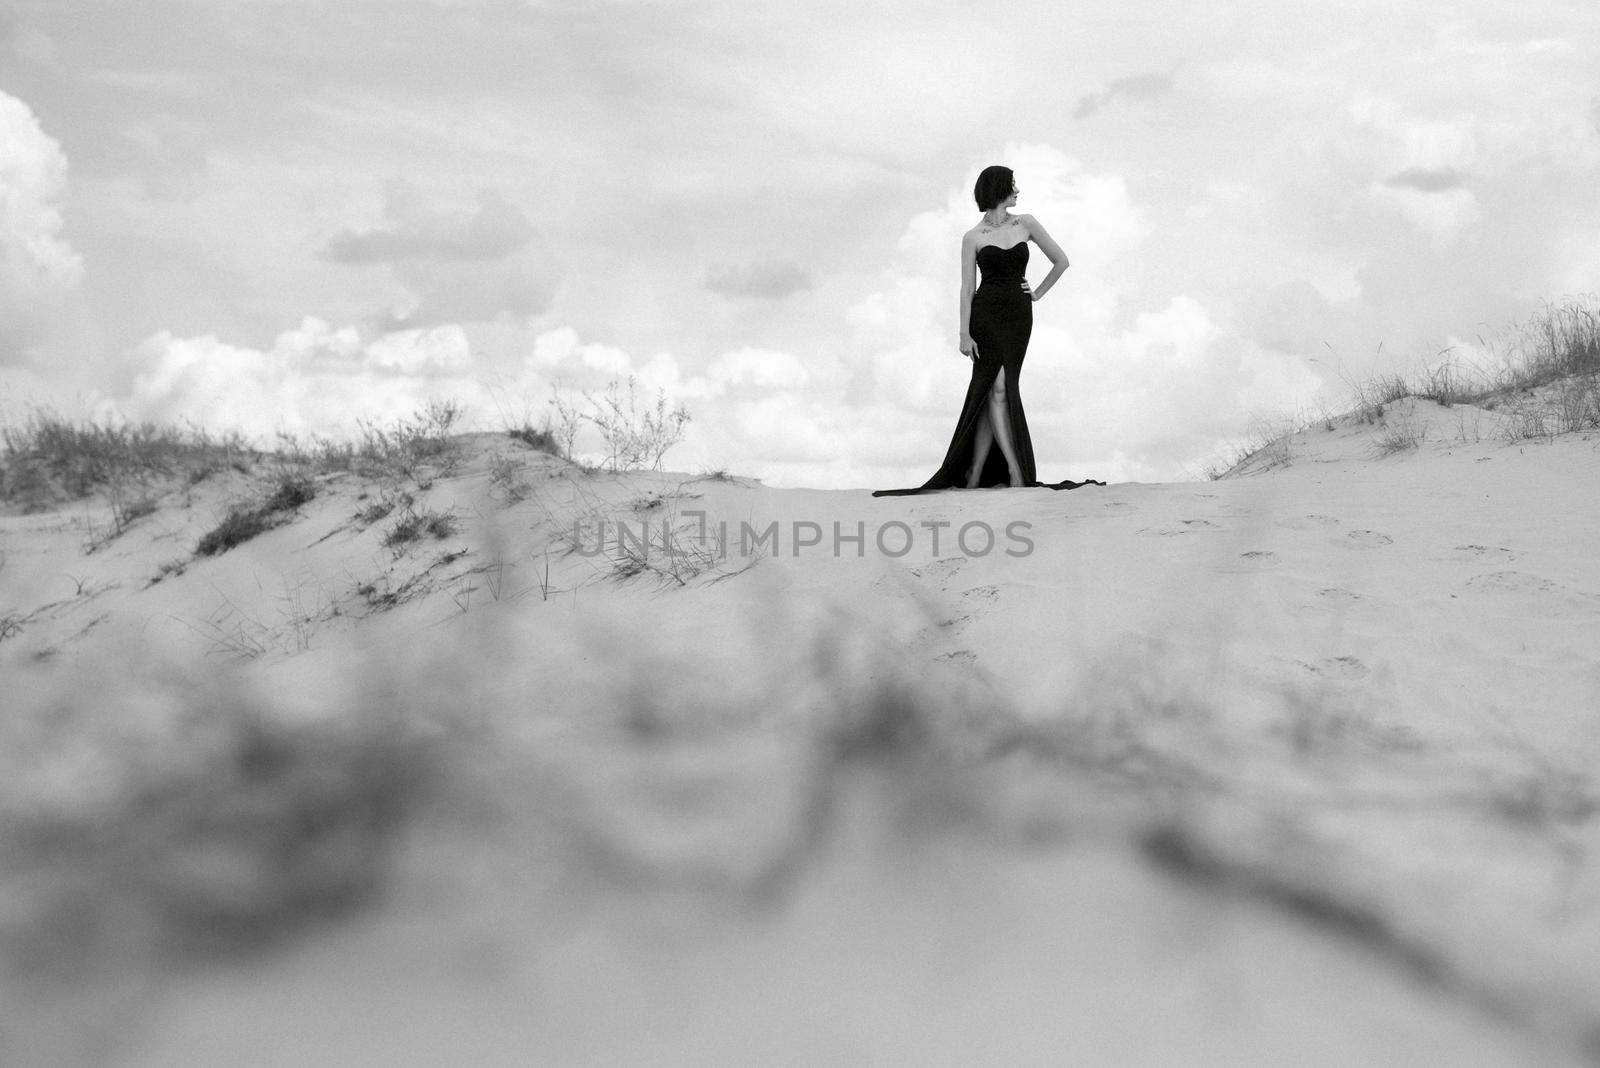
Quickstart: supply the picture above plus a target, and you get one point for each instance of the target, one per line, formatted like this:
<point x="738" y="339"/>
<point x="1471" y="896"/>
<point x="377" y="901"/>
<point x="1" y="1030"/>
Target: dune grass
<point x="245" y="521"/>
<point x="1544" y="380"/>
<point x="1559" y="344"/>
<point x="225" y="827"/>
<point x="411" y="527"/>
<point x="1400" y="434"/>
<point x="242" y="523"/>
<point x="49" y="459"/>
<point x="541" y="438"/>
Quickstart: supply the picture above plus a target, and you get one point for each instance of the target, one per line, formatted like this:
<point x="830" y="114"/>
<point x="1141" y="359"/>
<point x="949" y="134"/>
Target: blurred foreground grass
<point x="158" y="817"/>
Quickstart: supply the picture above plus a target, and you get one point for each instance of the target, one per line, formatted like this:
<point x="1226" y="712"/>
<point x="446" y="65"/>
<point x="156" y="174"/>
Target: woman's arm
<point x="1058" y="259"/>
<point x="969" y="274"/>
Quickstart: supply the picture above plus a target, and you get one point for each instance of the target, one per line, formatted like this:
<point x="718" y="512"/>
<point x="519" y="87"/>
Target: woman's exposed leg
<point x="980" y="448"/>
<point x="1002" y="427"/>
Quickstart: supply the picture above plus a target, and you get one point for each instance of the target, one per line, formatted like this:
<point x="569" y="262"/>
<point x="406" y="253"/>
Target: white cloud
<point x="558" y="355"/>
<point x="761" y="368"/>
<point x="414" y="229"/>
<point x="749" y="407"/>
<point x="552" y="347"/>
<point x="313" y="379"/>
<point x="453" y="265"/>
<point x="607" y="359"/>
<point x="787" y="428"/>
<point x="37" y="267"/>
<point x="1427" y="163"/>
<point x="1443" y="213"/>
<point x="439" y="352"/>
<point x="1178" y="335"/>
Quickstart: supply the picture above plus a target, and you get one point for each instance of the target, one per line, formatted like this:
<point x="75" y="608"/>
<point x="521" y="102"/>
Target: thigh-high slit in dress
<point x="1001" y="322"/>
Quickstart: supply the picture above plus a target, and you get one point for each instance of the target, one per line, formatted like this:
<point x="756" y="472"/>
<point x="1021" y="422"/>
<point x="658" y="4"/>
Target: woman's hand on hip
<point x="1026" y="288"/>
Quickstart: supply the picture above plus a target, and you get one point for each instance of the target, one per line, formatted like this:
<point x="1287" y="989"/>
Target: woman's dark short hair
<point x="994" y="185"/>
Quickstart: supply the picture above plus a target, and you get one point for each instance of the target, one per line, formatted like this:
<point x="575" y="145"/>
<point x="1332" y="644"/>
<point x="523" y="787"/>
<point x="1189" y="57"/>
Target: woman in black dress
<point x="996" y="321"/>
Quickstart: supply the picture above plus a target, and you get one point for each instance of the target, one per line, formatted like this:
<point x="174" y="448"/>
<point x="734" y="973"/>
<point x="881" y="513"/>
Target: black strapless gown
<point x="1001" y="323"/>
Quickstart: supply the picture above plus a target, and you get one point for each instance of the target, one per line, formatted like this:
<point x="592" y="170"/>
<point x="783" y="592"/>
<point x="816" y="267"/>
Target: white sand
<point x="1324" y="794"/>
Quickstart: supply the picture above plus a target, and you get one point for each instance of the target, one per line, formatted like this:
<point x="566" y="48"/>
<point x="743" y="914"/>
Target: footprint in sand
<point x="941" y="570"/>
<point x="1346" y="667"/>
<point x="1337" y="596"/>
<point x="929" y="513"/>
<point x="1185" y="526"/>
<point x="1481" y="554"/>
<point x="1552" y="597"/>
<point x="972" y="600"/>
<point x="942" y="629"/>
<point x="894" y="581"/>
<point x="1309" y="522"/>
<point x="1367" y="539"/>
<point x="981" y="595"/>
<point x="1118" y="507"/>
<point x="1250" y="562"/>
<point x="1338" y="667"/>
<point x="1511" y="581"/>
<point x="963" y="658"/>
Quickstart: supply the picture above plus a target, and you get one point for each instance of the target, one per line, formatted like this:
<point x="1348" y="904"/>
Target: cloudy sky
<point x="284" y="215"/>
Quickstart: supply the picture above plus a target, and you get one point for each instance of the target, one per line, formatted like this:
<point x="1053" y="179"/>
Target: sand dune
<point x="1296" y="766"/>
